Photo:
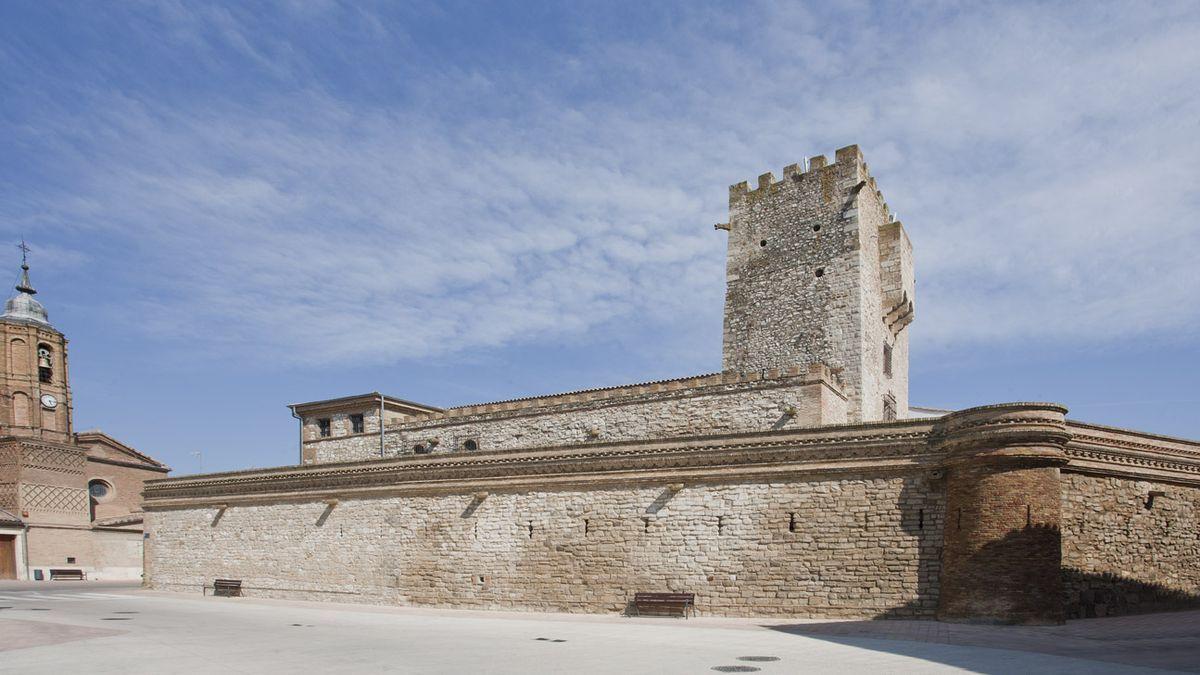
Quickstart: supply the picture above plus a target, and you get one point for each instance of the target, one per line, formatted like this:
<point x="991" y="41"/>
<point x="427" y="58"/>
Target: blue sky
<point x="237" y="207"/>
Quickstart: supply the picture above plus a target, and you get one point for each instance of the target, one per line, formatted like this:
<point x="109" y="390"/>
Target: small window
<point x="889" y="407"/>
<point x="421" y="449"/>
<point x="470" y="445"/>
<point x="99" y="490"/>
<point x="887" y="360"/>
<point x="323" y="427"/>
<point x="356" y="424"/>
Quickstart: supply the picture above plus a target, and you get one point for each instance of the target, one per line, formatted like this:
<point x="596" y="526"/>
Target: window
<point x="45" y="366"/>
<point x="889" y="407"/>
<point x="887" y="360"/>
<point x="323" y="427"/>
<point x="356" y="424"/>
<point x="470" y="445"/>
<point x="99" y="490"/>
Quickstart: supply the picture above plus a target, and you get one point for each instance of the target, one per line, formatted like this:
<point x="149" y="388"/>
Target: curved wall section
<point x="1002" y="541"/>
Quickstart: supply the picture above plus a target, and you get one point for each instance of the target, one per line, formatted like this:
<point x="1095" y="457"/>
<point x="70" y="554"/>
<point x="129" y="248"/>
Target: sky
<point x="233" y="207"/>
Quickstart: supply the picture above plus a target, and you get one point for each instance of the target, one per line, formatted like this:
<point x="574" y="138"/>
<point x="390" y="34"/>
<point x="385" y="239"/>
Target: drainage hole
<point x="761" y="659"/>
<point x="736" y="669"/>
<point x="117" y="618"/>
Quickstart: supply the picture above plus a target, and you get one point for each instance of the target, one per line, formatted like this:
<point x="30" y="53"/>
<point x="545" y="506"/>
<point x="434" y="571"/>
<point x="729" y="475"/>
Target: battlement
<point x="848" y="170"/>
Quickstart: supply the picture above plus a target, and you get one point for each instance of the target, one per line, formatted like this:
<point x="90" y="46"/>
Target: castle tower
<point x="820" y="271"/>
<point x="35" y="399"/>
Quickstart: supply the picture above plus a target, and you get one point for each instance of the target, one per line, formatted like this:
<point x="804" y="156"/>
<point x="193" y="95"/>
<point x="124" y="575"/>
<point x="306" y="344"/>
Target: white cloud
<point x="1041" y="158"/>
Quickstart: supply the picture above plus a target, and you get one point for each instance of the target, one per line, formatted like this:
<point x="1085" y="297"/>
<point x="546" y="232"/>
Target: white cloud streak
<point x="1043" y="160"/>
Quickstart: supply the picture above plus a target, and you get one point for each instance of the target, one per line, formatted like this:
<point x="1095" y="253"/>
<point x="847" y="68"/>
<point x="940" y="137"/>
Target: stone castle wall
<point x="1123" y="553"/>
<point x="995" y="514"/>
<point x="828" y="547"/>
<point x="717" y="404"/>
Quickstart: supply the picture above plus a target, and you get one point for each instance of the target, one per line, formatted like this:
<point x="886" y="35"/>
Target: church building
<point x="70" y="502"/>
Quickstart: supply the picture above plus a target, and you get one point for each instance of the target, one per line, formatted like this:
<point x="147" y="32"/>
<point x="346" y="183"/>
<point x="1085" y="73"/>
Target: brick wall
<point x="861" y="547"/>
<point x="126" y="494"/>
<point x="1001" y="556"/>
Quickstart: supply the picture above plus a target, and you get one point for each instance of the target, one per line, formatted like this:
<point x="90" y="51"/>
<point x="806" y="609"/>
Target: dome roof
<point x="23" y="307"/>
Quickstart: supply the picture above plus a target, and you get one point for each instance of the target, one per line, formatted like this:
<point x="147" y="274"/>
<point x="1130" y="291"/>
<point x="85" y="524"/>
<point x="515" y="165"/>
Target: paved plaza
<point x="110" y="628"/>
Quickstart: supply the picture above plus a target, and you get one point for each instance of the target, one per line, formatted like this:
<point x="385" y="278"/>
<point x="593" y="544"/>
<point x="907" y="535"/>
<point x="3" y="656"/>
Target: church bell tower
<point x="35" y="398"/>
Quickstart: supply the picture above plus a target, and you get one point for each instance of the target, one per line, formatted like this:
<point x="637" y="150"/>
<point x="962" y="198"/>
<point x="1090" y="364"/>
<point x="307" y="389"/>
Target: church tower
<point x="820" y="271"/>
<point x="35" y="399"/>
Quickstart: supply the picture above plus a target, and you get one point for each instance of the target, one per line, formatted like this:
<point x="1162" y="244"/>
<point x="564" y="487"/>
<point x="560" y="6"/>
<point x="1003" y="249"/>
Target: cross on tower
<point x="24" y="251"/>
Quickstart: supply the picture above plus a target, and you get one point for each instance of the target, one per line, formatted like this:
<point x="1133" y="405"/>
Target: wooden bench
<point x="664" y="603"/>
<point x="69" y="575"/>
<point x="229" y="588"/>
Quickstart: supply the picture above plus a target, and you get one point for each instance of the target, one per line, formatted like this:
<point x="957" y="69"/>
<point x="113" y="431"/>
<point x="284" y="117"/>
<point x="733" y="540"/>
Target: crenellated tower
<point x="820" y="271"/>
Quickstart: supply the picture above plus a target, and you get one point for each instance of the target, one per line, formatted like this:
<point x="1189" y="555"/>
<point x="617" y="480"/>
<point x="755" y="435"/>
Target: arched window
<point x="45" y="363"/>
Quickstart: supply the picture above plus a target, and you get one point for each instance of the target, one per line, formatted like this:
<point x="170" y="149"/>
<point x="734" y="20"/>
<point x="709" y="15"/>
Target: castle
<point x="68" y="500"/>
<point x="797" y="481"/>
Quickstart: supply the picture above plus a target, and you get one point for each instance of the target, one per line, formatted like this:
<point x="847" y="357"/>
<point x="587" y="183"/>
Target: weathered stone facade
<point x="789" y="484"/>
<point x="818" y="271"/>
<point x="720" y="403"/>
<point x="849" y="546"/>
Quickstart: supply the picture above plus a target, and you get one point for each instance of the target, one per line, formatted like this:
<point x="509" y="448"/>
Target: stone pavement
<point x="53" y="627"/>
<point x="1168" y="640"/>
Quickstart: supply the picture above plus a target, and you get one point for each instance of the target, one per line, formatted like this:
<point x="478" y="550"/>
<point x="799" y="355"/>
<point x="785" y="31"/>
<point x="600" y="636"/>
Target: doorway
<point x="8" y="556"/>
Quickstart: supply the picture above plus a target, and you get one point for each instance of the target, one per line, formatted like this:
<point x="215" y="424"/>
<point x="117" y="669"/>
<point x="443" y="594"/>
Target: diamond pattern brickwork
<point x="35" y="497"/>
<point x="53" y="459"/>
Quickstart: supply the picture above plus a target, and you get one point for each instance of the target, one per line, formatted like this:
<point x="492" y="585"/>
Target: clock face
<point x="49" y="401"/>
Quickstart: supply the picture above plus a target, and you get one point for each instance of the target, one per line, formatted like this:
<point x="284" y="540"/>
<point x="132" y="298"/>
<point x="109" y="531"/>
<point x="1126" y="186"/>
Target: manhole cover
<point x="736" y="669"/>
<point x="116" y="618"/>
<point x="758" y="658"/>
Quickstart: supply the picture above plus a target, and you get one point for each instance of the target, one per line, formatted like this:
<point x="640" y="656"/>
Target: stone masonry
<point x="792" y="483"/>
<point x="820" y="272"/>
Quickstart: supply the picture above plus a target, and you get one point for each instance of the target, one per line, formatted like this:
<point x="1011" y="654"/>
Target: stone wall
<point x="808" y="276"/>
<point x="717" y="404"/>
<point x="860" y="547"/>
<point x="1123" y="553"/>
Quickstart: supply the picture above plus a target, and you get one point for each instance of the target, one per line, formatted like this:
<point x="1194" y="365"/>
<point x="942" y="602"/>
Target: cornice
<point x="129" y="465"/>
<point x="1021" y="433"/>
<point x="702" y="459"/>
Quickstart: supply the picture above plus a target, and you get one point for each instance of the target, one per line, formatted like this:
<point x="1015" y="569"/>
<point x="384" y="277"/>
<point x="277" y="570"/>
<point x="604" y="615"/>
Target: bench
<point x="664" y="603"/>
<point x="228" y="588"/>
<point x="69" y="575"/>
